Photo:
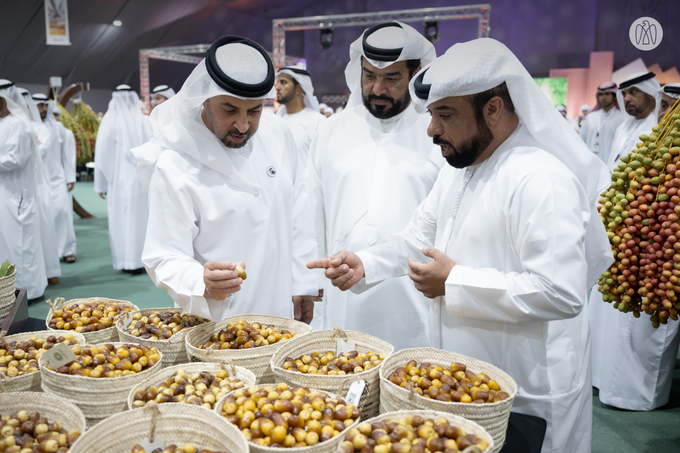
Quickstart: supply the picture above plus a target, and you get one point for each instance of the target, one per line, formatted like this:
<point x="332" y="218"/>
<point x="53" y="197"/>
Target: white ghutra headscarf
<point x="305" y="80"/>
<point x="164" y="91"/>
<point x="383" y="45"/>
<point x="234" y="66"/>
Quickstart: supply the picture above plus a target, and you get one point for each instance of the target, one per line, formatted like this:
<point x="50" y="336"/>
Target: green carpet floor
<point x="93" y="275"/>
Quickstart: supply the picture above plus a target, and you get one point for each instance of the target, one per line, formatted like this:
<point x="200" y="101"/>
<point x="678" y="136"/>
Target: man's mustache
<point x="437" y="140"/>
<point x="382" y="97"/>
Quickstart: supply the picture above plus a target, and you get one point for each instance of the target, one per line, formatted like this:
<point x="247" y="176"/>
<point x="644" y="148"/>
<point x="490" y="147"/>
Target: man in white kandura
<point x="598" y="128"/>
<point x="20" y="240"/>
<point x="48" y="234"/>
<point x="624" y="346"/>
<point x="226" y="188"/>
<point x="123" y="127"/>
<point x="299" y="107"/>
<point x="669" y="96"/>
<point x="369" y="170"/>
<point x="160" y="94"/>
<point x="640" y="97"/>
<point x="510" y="229"/>
<point x="585" y="109"/>
<point x="60" y="160"/>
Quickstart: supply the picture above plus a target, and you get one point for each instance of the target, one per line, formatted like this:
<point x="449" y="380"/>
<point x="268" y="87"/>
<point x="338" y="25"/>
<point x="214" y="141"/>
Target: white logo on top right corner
<point x="645" y="33"/>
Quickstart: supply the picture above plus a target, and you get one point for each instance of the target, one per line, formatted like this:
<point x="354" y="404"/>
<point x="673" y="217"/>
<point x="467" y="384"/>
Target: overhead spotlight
<point x="117" y="23"/>
<point x="432" y="31"/>
<point x="326" y="37"/>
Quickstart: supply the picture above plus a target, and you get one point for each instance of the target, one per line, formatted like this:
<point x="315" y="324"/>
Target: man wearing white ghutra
<point x="370" y="167"/>
<point x="226" y="189"/>
<point x="512" y="227"/>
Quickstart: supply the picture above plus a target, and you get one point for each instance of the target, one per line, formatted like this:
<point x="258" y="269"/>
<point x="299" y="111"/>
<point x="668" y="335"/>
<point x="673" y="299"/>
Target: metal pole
<point x="144" y="79"/>
<point x="279" y="47"/>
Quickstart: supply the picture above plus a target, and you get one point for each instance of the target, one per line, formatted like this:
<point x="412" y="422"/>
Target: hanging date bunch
<point x="641" y="211"/>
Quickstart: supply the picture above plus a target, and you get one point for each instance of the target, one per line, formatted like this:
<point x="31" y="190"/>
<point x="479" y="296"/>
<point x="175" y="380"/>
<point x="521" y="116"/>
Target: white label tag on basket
<point x="147" y="445"/>
<point x="355" y="391"/>
<point x="126" y="319"/>
<point x="58" y="355"/>
<point x="345" y="346"/>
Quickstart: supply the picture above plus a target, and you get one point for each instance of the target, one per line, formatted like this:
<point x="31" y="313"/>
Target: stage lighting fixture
<point x="326" y="37"/>
<point x="432" y="31"/>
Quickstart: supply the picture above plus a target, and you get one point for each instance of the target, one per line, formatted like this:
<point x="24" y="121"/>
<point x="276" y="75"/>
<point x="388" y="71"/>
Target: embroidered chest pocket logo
<point x="271" y="172"/>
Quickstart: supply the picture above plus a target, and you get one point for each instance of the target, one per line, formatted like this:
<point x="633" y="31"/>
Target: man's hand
<point x="303" y="308"/>
<point x="430" y="278"/>
<point x="344" y="269"/>
<point x="221" y="279"/>
<point x="102" y="195"/>
<point x="69" y="186"/>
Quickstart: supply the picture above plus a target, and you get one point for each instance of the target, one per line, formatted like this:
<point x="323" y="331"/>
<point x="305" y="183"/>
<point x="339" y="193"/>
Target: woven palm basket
<point x="8" y="290"/>
<point x="31" y="382"/>
<point x="98" y="398"/>
<point x="468" y="426"/>
<point x="173" y="349"/>
<point x="174" y="423"/>
<point x="326" y="340"/>
<point x="107" y="335"/>
<point x="493" y="417"/>
<point x="328" y="446"/>
<point x="7" y="295"/>
<point x="246" y="376"/>
<point x="54" y="408"/>
<point x="255" y="359"/>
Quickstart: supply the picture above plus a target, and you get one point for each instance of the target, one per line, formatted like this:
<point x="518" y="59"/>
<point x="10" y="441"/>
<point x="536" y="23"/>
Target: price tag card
<point x="345" y="346"/>
<point x="355" y="391"/>
<point x="58" y="355"/>
<point x="147" y="445"/>
<point x="126" y="319"/>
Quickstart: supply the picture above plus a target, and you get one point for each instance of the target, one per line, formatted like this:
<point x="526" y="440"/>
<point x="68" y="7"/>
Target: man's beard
<point x="467" y="153"/>
<point x="632" y="109"/>
<point x="224" y="138"/>
<point x="43" y="115"/>
<point x="607" y="103"/>
<point x="381" y="111"/>
<point x="283" y="99"/>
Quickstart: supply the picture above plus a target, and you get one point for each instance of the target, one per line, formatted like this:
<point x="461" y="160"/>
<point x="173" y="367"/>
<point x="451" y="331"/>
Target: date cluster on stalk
<point x="641" y="210"/>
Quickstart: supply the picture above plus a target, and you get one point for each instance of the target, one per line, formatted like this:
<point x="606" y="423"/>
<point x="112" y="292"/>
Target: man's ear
<point x="205" y="103"/>
<point x="492" y="110"/>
